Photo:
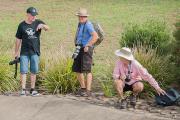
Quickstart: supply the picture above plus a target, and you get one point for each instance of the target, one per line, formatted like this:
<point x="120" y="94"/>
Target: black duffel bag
<point x="171" y="98"/>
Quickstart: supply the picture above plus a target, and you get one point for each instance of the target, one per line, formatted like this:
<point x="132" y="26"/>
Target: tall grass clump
<point x="103" y="74"/>
<point x="154" y="33"/>
<point x="176" y="51"/>
<point x="160" y="67"/>
<point x="60" y="78"/>
<point x="7" y="81"/>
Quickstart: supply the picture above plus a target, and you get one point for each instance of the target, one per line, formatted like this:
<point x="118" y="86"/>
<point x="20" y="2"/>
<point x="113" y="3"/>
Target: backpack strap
<point x="77" y="31"/>
<point x="177" y="95"/>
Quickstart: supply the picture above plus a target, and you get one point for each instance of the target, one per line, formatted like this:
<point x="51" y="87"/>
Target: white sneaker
<point x="35" y="93"/>
<point x="23" y="93"/>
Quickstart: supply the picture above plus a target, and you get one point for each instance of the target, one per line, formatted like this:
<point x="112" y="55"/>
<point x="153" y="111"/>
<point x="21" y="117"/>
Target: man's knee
<point x="138" y="87"/>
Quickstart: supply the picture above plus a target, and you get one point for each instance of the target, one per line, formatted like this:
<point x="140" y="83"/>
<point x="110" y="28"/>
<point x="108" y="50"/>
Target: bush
<point x="60" y="78"/>
<point x="102" y="73"/>
<point x="153" y="33"/>
<point x="7" y="82"/>
<point x="160" y="67"/>
<point x="176" y="51"/>
<point x="106" y="83"/>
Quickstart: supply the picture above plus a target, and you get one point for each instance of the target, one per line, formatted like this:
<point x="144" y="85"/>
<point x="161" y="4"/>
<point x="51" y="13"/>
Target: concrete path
<point x="63" y="108"/>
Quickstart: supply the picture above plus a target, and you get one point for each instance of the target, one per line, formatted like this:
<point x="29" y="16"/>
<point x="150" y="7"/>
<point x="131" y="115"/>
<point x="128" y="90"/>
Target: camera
<point x="15" y="61"/>
<point x="76" y="52"/>
<point x="128" y="79"/>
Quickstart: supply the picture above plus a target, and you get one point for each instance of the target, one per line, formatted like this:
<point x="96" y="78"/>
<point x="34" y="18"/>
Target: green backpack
<point x="100" y="32"/>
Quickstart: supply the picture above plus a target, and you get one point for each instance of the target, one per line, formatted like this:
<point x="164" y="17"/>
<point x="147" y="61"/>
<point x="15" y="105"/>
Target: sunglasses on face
<point x="82" y="17"/>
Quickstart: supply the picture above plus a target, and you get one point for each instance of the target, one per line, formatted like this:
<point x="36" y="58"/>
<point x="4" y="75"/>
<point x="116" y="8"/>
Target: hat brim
<point x="77" y="14"/>
<point x="120" y="54"/>
<point x="34" y="14"/>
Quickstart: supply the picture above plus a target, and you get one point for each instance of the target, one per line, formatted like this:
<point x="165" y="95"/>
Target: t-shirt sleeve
<point x="19" y="32"/>
<point x="90" y="27"/>
<point x="41" y="22"/>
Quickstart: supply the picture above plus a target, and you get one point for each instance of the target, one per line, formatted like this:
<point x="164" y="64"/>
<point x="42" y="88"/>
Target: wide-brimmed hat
<point x="32" y="11"/>
<point x="125" y="53"/>
<point x="82" y="12"/>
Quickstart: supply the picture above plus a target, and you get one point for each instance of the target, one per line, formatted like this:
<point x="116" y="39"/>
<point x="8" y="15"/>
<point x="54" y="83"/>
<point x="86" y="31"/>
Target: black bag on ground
<point x="172" y="98"/>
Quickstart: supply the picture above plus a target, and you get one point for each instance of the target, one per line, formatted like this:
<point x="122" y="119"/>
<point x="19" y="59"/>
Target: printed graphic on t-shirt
<point x="31" y="33"/>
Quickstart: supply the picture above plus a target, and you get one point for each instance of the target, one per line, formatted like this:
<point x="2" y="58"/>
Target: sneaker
<point x="23" y="93"/>
<point x="132" y="99"/>
<point x="81" y="93"/>
<point x="89" y="93"/>
<point x="35" y="93"/>
<point x="123" y="104"/>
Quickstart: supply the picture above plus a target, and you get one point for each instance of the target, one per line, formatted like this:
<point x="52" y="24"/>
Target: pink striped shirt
<point x="138" y="72"/>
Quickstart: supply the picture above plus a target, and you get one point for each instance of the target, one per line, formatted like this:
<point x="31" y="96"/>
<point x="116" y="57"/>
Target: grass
<point x="113" y="15"/>
<point x="7" y="82"/>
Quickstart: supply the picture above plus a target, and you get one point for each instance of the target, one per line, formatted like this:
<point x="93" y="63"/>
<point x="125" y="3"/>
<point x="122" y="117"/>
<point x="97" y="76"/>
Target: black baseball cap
<point x="32" y="11"/>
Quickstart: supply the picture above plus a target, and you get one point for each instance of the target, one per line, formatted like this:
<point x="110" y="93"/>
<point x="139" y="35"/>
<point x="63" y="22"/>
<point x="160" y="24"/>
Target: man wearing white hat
<point x="85" y="38"/>
<point x="128" y="74"/>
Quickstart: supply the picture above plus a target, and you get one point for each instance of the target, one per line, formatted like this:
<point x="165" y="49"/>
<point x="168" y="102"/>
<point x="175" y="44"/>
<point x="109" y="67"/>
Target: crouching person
<point x="128" y="74"/>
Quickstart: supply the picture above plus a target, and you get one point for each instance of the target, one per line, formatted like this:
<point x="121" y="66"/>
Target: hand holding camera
<point x="76" y="52"/>
<point x="15" y="61"/>
<point x="86" y="48"/>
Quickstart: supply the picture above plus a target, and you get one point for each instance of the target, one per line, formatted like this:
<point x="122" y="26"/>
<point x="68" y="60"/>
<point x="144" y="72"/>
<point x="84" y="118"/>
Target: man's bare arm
<point x="43" y="26"/>
<point x="93" y="40"/>
<point x="17" y="47"/>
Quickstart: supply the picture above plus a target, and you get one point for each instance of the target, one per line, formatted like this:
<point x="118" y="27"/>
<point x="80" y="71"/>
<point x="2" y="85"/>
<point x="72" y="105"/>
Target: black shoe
<point x="123" y="104"/>
<point x="81" y="93"/>
<point x="89" y="93"/>
<point x="132" y="100"/>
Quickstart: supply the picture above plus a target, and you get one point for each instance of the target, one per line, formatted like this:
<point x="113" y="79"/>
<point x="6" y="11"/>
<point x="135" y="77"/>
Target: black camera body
<point x="15" y="61"/>
<point x="76" y="51"/>
<point x="127" y="79"/>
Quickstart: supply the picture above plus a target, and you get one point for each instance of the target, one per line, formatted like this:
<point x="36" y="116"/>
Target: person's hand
<point x="161" y="91"/>
<point x="16" y="55"/>
<point x="39" y="27"/>
<point x="86" y="48"/>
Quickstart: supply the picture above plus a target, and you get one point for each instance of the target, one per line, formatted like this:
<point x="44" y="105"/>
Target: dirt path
<point x="64" y="108"/>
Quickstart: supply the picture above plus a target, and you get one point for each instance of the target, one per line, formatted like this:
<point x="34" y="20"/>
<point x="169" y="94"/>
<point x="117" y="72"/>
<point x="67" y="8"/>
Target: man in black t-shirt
<point x="28" y="39"/>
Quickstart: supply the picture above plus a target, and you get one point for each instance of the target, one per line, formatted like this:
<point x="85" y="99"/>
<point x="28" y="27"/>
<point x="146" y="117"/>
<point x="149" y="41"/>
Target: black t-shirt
<point x="30" y="37"/>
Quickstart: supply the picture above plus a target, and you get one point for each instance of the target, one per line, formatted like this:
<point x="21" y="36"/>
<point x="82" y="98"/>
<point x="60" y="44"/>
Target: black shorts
<point x="129" y="87"/>
<point x="83" y="62"/>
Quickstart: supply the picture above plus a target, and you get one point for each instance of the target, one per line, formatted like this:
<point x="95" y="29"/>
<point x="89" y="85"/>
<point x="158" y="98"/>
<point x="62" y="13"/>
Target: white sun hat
<point x="124" y="53"/>
<point x="82" y="12"/>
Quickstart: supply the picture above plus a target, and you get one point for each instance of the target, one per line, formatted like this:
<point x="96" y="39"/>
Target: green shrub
<point x="60" y="78"/>
<point x="153" y="33"/>
<point x="160" y="67"/>
<point x="176" y="51"/>
<point x="41" y="75"/>
<point x="7" y="81"/>
<point x="102" y="73"/>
